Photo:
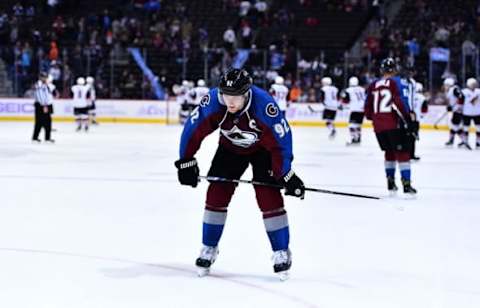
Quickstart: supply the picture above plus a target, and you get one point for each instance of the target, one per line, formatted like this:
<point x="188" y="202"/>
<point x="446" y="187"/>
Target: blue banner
<point x="157" y="88"/>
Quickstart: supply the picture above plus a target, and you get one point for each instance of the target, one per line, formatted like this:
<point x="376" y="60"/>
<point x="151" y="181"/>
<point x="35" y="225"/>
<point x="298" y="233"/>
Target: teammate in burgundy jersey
<point x="253" y="132"/>
<point x="387" y="107"/>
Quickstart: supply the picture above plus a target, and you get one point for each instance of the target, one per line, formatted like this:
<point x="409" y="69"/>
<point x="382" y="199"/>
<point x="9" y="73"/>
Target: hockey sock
<point x="390" y="168"/>
<point x="213" y="223"/>
<point x="464" y="136"/>
<point x="353" y="132"/>
<point x="278" y="232"/>
<point x="405" y="170"/>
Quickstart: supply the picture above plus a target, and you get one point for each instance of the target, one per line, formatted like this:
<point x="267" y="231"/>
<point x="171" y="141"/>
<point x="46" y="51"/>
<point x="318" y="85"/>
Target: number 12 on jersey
<point x="382" y="101"/>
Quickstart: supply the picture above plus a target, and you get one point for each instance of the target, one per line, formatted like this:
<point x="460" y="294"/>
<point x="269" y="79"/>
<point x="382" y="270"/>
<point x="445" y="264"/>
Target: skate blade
<point x="284" y="275"/>
<point x="202" y="271"/>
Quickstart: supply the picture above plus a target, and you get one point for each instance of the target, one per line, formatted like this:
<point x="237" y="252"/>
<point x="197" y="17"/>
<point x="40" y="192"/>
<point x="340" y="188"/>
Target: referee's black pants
<point x="42" y="120"/>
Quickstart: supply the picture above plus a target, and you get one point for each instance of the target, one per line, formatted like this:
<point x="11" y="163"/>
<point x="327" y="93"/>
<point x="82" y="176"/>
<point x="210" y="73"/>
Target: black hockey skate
<point x="207" y="257"/>
<point x="407" y="188"/>
<point x="332" y="134"/>
<point x="464" y="145"/>
<point x="282" y="261"/>
<point x="392" y="187"/>
<point x="449" y="143"/>
<point x="477" y="146"/>
<point x="354" y="142"/>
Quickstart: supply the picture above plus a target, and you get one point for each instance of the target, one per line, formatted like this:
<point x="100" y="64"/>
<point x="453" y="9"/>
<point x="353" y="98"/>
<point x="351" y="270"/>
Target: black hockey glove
<point x="293" y="185"/>
<point x="188" y="171"/>
<point x="449" y="108"/>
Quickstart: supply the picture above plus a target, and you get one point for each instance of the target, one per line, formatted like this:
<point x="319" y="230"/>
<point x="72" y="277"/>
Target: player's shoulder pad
<point x="264" y="105"/>
<point x="210" y="100"/>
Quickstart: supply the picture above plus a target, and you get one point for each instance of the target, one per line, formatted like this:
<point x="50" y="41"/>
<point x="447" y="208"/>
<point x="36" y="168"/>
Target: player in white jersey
<point x="80" y="103"/>
<point x="471" y="111"/>
<point x="92" y="107"/>
<point x="418" y="106"/>
<point x="354" y="97"/>
<point x="280" y="93"/>
<point x="330" y="100"/>
<point x="197" y="93"/>
<point x="455" y="100"/>
<point x="183" y="99"/>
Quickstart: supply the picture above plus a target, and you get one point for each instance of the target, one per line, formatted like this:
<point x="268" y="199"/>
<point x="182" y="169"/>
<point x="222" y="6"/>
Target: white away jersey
<point x="357" y="98"/>
<point x="280" y="93"/>
<point x="197" y="93"/>
<point x="80" y="95"/>
<point x="471" y="107"/>
<point x="453" y="101"/>
<point x="330" y="97"/>
<point x="418" y="100"/>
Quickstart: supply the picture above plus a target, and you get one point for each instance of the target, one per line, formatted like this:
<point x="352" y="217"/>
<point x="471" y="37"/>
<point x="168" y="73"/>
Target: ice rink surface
<point x="98" y="220"/>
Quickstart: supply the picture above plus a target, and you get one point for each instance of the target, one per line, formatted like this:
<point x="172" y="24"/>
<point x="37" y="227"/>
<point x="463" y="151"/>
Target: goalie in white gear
<point x="455" y="101"/>
<point x="471" y="112"/>
<point x="80" y="104"/>
<point x="280" y="93"/>
<point x="92" y="107"/>
<point x="329" y="98"/>
<point x="354" y="96"/>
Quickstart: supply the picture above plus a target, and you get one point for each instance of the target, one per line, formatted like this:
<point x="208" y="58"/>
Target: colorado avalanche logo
<point x="205" y="100"/>
<point x="271" y="110"/>
<point x="239" y="137"/>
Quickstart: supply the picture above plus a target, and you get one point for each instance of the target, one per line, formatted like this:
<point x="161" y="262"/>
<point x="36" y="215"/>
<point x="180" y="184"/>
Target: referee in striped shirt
<point x="43" y="116"/>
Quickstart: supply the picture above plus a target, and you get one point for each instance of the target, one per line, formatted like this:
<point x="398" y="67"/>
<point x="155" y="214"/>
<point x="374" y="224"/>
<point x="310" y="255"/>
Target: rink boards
<point x="166" y="112"/>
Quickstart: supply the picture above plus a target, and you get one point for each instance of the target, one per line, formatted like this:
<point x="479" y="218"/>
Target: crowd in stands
<point x="45" y="36"/>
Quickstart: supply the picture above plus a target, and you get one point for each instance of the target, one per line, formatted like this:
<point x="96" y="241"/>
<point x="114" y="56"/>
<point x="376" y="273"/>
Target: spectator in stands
<point x="229" y="40"/>
<point x="53" y="52"/>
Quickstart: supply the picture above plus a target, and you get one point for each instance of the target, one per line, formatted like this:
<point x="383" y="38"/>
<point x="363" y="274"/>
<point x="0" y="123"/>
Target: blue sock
<point x="390" y="168"/>
<point x="278" y="231"/>
<point x="213" y="223"/>
<point x="405" y="170"/>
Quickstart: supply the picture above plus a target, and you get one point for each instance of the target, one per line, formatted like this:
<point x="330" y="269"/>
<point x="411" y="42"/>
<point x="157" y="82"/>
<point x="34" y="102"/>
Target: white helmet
<point x="200" y="83"/>
<point x="279" y="80"/>
<point x="80" y="81"/>
<point x="449" y="82"/>
<point x="418" y="87"/>
<point x="471" y="83"/>
<point x="326" y="81"/>
<point x="353" y="81"/>
<point x="185" y="83"/>
<point x="90" y="80"/>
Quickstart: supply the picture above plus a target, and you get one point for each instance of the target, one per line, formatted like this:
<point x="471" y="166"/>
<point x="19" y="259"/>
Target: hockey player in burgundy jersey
<point x="252" y="132"/>
<point x="387" y="107"/>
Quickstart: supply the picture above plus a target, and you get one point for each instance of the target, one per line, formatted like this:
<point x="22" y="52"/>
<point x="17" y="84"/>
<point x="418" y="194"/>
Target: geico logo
<point x="16" y="108"/>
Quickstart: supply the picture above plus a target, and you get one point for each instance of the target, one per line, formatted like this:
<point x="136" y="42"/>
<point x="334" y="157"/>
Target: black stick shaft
<point x="219" y="179"/>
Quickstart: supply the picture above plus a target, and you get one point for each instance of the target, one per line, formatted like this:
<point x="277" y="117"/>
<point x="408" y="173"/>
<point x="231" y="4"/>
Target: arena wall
<point x="166" y="112"/>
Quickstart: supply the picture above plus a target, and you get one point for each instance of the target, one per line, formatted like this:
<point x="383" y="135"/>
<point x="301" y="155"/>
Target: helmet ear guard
<point x="235" y="82"/>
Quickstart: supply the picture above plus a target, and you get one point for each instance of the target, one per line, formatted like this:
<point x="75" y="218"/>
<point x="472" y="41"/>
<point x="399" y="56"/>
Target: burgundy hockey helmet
<point x="235" y="82"/>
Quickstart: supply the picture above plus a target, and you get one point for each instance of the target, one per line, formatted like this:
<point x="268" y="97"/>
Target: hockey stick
<point x="435" y="125"/>
<point x="405" y="123"/>
<point x="219" y="179"/>
<point x="310" y="108"/>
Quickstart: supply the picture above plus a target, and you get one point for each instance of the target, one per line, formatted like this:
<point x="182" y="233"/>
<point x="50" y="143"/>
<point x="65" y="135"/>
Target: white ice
<point x="98" y="220"/>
